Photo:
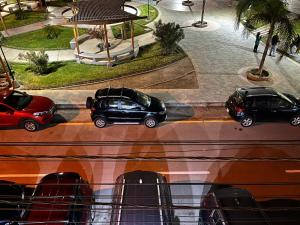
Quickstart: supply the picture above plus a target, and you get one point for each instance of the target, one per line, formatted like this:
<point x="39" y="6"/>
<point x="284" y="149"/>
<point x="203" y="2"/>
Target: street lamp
<point x="201" y="23"/>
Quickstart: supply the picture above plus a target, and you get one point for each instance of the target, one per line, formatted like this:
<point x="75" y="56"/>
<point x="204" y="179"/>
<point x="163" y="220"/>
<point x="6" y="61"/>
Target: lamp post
<point x="7" y="73"/>
<point x="201" y="23"/>
<point x="148" y="10"/>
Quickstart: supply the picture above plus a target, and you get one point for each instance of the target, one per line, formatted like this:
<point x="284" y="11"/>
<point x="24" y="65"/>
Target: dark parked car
<point x="262" y="103"/>
<point x="142" y="197"/>
<point x="60" y="198"/>
<point x="231" y="206"/>
<point x="11" y="198"/>
<point x="124" y="105"/>
<point x="28" y="111"/>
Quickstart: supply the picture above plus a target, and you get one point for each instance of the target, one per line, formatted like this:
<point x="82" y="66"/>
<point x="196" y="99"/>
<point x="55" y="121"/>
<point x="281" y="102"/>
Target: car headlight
<point x="40" y="113"/>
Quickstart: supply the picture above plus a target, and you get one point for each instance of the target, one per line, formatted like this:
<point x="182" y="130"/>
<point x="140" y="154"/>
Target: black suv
<point x="231" y="206"/>
<point x="142" y="197"/>
<point x="124" y="105"/>
<point x="262" y="103"/>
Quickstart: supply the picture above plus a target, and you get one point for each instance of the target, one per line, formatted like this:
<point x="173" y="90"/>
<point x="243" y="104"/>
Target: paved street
<point x="199" y="143"/>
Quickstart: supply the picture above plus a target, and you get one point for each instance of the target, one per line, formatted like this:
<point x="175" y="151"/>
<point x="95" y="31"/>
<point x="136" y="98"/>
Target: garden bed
<point x="30" y="17"/>
<point x="139" y="25"/>
<point x="69" y="73"/>
<point x="37" y="40"/>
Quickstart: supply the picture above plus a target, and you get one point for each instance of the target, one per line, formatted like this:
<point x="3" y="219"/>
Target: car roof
<point x="115" y="92"/>
<point x="257" y="91"/>
<point x="239" y="200"/>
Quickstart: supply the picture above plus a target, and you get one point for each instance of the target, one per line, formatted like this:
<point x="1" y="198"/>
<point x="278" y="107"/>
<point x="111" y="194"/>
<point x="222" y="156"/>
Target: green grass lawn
<point x="37" y="40"/>
<point x="67" y="73"/>
<point x="139" y="25"/>
<point x="31" y="17"/>
<point x="297" y="26"/>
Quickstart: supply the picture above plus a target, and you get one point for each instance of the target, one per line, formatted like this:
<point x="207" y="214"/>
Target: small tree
<point x="38" y="62"/>
<point x="169" y="35"/>
<point x="271" y="12"/>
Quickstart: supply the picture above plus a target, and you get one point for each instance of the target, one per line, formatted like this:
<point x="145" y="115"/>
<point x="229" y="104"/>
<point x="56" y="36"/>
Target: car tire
<point x="30" y="125"/>
<point x="150" y="122"/>
<point x="89" y="102"/>
<point x="247" y="121"/>
<point x="100" y="122"/>
<point x="295" y="121"/>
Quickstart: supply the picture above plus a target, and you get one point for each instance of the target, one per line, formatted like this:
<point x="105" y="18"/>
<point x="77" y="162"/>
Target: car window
<point x="129" y="105"/>
<point x="18" y="100"/>
<point x="113" y="103"/>
<point x="278" y="102"/>
<point x="3" y="108"/>
<point x="260" y="102"/>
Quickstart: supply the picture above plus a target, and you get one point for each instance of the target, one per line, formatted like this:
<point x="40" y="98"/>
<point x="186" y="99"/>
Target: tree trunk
<point x="262" y="62"/>
<point x="19" y="4"/>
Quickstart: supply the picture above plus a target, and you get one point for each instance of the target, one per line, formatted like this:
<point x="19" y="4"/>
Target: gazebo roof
<point x="100" y="12"/>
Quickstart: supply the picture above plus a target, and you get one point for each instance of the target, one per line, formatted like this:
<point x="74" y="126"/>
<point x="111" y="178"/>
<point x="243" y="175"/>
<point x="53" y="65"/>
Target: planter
<point x="187" y="3"/>
<point x="254" y="76"/>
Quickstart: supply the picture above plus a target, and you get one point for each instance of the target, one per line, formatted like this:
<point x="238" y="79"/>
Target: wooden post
<point x="6" y="72"/>
<point x="4" y="26"/>
<point x="132" y="34"/>
<point x="75" y="30"/>
<point x="106" y="43"/>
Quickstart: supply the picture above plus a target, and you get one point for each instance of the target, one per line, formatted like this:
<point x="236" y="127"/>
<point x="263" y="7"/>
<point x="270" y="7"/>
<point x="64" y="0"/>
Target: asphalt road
<point x="264" y="159"/>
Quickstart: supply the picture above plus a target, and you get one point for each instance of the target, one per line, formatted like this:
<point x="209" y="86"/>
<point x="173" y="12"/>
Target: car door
<point x="132" y="111"/>
<point x="280" y="109"/>
<point x="7" y="117"/>
<point x="113" y="112"/>
<point x="260" y="108"/>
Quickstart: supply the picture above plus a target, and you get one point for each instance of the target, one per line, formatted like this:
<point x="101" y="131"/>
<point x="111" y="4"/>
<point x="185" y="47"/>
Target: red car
<point x="20" y="109"/>
<point x="60" y="199"/>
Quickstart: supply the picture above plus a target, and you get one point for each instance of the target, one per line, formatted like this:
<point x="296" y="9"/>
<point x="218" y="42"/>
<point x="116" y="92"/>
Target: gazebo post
<point x="132" y="35"/>
<point x="75" y="30"/>
<point x="106" y="43"/>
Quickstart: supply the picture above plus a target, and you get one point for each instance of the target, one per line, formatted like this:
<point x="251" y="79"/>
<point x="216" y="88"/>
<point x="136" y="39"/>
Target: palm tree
<point x="270" y="12"/>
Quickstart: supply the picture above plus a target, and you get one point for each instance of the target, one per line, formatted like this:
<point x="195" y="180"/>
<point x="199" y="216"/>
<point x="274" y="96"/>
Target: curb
<point x="168" y="104"/>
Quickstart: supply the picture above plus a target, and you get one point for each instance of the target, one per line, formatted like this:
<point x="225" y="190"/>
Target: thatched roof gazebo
<point x="100" y="12"/>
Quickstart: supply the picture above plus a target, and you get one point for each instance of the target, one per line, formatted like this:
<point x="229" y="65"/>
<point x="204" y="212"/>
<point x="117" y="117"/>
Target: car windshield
<point x="285" y="97"/>
<point x="143" y="99"/>
<point x="18" y="100"/>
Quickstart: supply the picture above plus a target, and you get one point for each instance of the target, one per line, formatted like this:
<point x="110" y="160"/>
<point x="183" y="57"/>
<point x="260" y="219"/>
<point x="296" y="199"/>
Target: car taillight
<point x="93" y="109"/>
<point x="239" y="109"/>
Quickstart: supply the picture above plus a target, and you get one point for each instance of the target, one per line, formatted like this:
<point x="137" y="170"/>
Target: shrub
<point x="169" y="35"/>
<point x="20" y="15"/>
<point x="2" y="38"/>
<point x="51" y="32"/>
<point x="38" y="62"/>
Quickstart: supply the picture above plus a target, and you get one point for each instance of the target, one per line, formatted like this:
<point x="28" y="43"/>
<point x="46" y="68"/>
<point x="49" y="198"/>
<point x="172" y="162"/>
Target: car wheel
<point x="247" y="121"/>
<point x="89" y="102"/>
<point x="150" y="122"/>
<point x="295" y="121"/>
<point x="30" y="125"/>
<point x="100" y="122"/>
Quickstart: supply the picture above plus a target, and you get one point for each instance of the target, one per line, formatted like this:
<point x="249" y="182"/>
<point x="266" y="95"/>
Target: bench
<point x="80" y="39"/>
<point x="101" y="59"/>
